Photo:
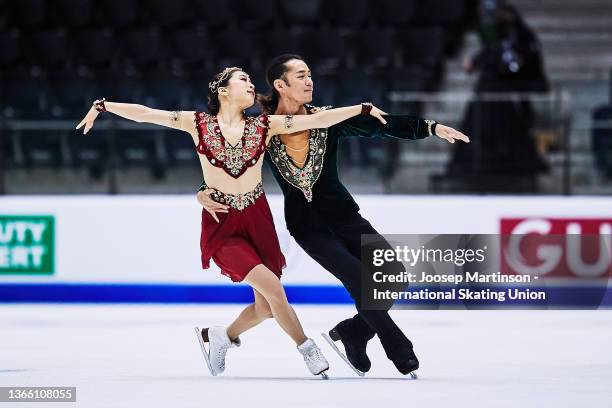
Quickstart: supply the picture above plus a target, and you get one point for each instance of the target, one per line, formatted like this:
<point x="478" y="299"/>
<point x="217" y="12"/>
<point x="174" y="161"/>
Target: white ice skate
<point x="313" y="357"/>
<point x="218" y="343"/>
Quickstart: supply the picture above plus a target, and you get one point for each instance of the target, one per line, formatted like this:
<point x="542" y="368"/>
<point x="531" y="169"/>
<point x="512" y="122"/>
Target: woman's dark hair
<point x="213" y="92"/>
<point x="276" y="70"/>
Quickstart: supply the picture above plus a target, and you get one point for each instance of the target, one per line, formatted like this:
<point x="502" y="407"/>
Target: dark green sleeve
<point x="399" y="126"/>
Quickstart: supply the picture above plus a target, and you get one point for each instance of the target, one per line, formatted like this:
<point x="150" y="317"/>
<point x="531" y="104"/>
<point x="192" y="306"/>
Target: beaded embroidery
<point x="234" y="159"/>
<point x="238" y="201"/>
<point x="430" y="123"/>
<point x="301" y="178"/>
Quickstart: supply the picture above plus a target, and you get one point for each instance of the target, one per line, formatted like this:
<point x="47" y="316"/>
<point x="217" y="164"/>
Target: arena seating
<point x="57" y="56"/>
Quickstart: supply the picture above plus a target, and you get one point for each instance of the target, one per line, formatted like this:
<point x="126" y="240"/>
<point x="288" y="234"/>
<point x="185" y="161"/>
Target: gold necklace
<point x="299" y="163"/>
<point x="301" y="149"/>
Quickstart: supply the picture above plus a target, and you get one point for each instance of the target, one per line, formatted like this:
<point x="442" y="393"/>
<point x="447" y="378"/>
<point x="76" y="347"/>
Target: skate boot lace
<point x="314" y="355"/>
<point x="221" y="356"/>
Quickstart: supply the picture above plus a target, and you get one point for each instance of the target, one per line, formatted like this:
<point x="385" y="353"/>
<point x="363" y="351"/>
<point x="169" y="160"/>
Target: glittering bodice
<point x="234" y="159"/>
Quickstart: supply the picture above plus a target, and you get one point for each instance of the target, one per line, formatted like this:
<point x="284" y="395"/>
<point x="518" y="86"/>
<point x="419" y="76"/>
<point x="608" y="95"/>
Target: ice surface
<point x="147" y="356"/>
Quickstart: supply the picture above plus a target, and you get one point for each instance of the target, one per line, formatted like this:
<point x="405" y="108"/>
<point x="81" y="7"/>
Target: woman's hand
<point x="88" y="120"/>
<point x="450" y="134"/>
<point x="377" y="113"/>
<point x="210" y="205"/>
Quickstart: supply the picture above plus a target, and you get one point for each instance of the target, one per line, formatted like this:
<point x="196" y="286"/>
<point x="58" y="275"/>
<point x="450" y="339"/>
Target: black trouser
<point x="337" y="248"/>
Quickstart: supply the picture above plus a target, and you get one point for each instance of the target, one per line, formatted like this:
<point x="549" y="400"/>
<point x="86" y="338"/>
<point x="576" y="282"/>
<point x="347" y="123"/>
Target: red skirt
<point x="241" y="240"/>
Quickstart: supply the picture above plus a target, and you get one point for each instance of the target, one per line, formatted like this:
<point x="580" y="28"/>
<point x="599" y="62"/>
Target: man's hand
<point x="209" y="204"/>
<point x="450" y="134"/>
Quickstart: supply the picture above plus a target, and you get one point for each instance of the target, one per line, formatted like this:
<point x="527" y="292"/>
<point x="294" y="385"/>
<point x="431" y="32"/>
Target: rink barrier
<point x="563" y="296"/>
<point x="154" y="240"/>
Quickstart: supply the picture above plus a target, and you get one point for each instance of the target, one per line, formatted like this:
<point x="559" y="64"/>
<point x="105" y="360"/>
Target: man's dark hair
<point x="276" y="70"/>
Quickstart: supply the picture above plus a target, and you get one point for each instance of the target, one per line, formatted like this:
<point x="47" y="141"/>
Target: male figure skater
<point x="320" y="213"/>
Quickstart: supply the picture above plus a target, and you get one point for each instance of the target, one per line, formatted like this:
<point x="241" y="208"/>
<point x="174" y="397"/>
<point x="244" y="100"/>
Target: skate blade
<point x="341" y="354"/>
<point x="413" y="376"/>
<point x="324" y="375"/>
<point x="204" y="351"/>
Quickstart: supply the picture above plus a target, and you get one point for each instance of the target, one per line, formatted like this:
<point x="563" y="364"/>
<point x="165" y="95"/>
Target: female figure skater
<point x="241" y="240"/>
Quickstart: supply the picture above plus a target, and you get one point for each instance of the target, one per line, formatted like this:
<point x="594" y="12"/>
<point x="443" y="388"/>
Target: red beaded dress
<point x="245" y="236"/>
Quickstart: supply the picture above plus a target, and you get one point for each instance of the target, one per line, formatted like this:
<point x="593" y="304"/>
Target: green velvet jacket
<point x="314" y="194"/>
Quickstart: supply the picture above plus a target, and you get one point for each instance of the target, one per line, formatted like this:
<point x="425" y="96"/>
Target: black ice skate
<point x="355" y="356"/>
<point x="404" y="359"/>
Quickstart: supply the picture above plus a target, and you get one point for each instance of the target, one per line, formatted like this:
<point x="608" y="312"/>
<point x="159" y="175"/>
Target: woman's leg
<point x="268" y="285"/>
<point x="251" y="316"/>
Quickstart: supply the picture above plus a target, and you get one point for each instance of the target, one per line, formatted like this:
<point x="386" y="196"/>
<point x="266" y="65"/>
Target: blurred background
<point x="528" y="81"/>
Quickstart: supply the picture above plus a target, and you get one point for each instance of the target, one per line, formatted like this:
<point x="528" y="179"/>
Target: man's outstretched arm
<point x="398" y="126"/>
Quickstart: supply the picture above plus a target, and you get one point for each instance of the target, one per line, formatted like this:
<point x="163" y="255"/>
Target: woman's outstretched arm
<point x="284" y="124"/>
<point x="182" y="120"/>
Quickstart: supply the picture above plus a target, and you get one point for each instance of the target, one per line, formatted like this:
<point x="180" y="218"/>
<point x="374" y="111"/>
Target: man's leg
<point x="333" y="254"/>
<point x="394" y="341"/>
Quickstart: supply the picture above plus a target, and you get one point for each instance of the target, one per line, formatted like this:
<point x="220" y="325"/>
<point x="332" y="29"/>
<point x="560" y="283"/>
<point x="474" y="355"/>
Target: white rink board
<point x="155" y="239"/>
